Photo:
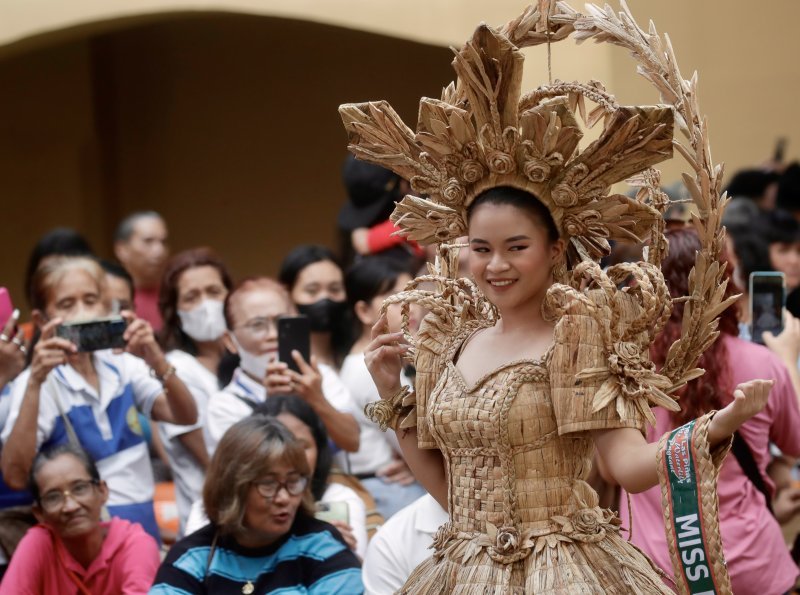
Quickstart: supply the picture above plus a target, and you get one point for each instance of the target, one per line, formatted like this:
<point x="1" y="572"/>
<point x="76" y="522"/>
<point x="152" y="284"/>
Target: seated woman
<point x="92" y="397"/>
<point x="71" y="551"/>
<point x="307" y="428"/>
<point x="262" y="537"/>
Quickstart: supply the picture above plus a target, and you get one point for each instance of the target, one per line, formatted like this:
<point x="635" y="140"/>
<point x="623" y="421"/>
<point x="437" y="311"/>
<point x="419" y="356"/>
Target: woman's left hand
<point x="749" y="398"/>
<point x="785" y="345"/>
<point x="347" y="533"/>
<point x="307" y="384"/>
<point x="141" y="341"/>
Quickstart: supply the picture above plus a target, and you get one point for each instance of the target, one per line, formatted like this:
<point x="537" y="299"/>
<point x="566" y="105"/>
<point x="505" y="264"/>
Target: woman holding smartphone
<point x="92" y="398"/>
<point x="252" y="311"/>
<point x="755" y="552"/>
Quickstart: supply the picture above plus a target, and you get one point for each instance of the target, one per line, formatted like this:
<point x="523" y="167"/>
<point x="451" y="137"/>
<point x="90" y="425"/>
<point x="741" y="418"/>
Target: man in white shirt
<point x="400" y="545"/>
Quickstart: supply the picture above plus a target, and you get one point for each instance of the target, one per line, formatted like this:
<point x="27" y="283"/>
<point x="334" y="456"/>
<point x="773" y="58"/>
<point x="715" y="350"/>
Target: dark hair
<point x="788" y="195"/>
<point x="117" y="270"/>
<point x="371" y="276"/>
<point x="750" y="183"/>
<point x="705" y="393"/>
<point x="171" y="335"/>
<point x="291" y="267"/>
<point x="366" y="279"/>
<point x="50" y="454"/>
<point x="127" y="226"/>
<point x="248" y="450"/>
<point x="61" y="241"/>
<point x="301" y="257"/>
<point x="779" y="226"/>
<point x="522" y="200"/>
<point x="297" y="407"/>
<point x="751" y="250"/>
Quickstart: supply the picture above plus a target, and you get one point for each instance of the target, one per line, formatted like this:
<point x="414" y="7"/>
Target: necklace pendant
<point x="248" y="588"/>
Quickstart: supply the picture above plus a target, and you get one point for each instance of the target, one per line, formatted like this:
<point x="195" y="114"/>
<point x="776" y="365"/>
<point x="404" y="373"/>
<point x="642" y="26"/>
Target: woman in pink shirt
<point x="757" y="557"/>
<point x="71" y="551"/>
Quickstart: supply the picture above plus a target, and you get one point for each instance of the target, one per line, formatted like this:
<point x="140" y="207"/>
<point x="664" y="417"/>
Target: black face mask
<point x="324" y="314"/>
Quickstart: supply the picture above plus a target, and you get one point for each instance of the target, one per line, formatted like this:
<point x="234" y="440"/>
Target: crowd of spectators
<point x="191" y="459"/>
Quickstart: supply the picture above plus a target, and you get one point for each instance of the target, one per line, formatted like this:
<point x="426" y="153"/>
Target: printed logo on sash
<point x="685" y="514"/>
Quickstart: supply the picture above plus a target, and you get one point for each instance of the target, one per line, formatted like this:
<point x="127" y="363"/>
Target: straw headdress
<point x="484" y="132"/>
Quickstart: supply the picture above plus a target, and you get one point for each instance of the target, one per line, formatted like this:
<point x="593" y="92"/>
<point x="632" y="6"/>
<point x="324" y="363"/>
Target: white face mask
<point x="255" y="365"/>
<point x="206" y="322"/>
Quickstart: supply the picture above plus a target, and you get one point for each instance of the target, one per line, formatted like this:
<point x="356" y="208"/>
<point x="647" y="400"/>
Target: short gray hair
<point x="126" y="226"/>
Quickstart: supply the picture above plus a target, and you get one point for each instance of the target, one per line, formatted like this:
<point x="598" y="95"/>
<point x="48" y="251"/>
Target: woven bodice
<point x="507" y="465"/>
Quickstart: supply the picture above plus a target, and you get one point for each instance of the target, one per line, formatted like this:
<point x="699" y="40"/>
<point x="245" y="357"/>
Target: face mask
<point x="206" y="322"/>
<point x="323" y="314"/>
<point x="255" y="365"/>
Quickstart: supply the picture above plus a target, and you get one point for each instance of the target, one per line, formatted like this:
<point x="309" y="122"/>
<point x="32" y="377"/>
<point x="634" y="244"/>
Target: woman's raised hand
<point x="749" y="398"/>
<point x="12" y="350"/>
<point x="785" y="345"/>
<point x="141" y="341"/>
<point x="50" y="351"/>
<point x="383" y="358"/>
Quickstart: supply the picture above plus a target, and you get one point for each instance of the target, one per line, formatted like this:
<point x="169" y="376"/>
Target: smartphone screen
<point x="294" y="333"/>
<point x="767" y="297"/>
<point x="6" y="307"/>
<point x="333" y="511"/>
<point x="94" y="335"/>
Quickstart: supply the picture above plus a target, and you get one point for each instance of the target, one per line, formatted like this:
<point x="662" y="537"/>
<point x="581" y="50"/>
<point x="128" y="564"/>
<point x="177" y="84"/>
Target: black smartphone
<point x="94" y="335"/>
<point x="767" y="297"/>
<point x="294" y="333"/>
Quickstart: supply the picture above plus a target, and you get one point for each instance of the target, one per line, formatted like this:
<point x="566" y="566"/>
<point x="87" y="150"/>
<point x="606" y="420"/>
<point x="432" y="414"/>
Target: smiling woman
<point x="262" y="537"/>
<point x="72" y="551"/>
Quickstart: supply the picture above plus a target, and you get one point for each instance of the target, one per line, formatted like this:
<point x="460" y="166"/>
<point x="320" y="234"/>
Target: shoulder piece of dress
<point x="601" y="369"/>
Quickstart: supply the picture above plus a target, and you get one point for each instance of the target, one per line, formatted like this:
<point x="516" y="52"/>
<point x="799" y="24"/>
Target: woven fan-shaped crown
<point x="483" y="133"/>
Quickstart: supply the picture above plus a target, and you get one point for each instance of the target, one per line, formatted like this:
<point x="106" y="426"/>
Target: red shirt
<point x="146" y="304"/>
<point x="127" y="564"/>
<point x="381" y="237"/>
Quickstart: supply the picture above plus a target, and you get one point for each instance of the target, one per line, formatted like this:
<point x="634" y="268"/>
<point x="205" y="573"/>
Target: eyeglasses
<point x="269" y="488"/>
<point x="261" y="325"/>
<point x="54" y="500"/>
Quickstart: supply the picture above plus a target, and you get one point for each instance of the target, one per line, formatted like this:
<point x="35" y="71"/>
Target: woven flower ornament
<point x="484" y="133"/>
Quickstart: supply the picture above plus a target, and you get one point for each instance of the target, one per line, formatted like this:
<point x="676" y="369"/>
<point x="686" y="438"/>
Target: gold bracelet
<point x="386" y="412"/>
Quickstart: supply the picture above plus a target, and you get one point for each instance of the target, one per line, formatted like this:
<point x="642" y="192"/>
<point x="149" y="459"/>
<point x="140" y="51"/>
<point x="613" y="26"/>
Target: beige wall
<point x="227" y="123"/>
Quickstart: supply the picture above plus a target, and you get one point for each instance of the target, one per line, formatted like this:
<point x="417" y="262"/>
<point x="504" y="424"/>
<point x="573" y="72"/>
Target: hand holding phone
<point x="94" y="335"/>
<point x="767" y="298"/>
<point x="333" y="511"/>
<point x="294" y="334"/>
<point x="12" y="350"/>
<point x="6" y="307"/>
<point x="50" y="351"/>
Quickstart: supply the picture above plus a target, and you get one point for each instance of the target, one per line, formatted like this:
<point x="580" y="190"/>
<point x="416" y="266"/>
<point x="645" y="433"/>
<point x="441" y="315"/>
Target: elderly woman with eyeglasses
<point x="263" y="537"/>
<point x="72" y="551"/>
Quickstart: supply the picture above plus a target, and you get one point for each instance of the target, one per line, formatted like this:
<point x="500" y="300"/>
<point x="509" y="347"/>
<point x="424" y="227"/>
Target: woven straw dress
<point x="517" y="447"/>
